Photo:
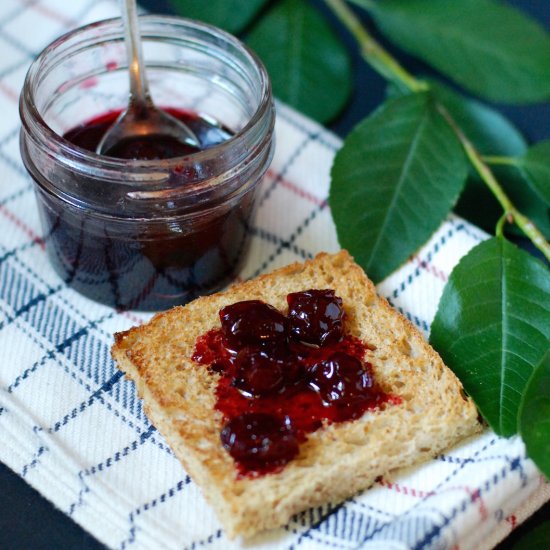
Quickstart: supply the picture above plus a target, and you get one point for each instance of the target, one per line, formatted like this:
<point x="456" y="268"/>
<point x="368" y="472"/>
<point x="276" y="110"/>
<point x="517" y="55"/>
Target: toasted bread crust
<point x="337" y="460"/>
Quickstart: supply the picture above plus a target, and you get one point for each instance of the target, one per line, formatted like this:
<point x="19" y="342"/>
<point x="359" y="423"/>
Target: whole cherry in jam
<point x="316" y="316"/>
<point x="253" y="438"/>
<point x="252" y="322"/>
<point x="258" y="373"/>
<point x="340" y="379"/>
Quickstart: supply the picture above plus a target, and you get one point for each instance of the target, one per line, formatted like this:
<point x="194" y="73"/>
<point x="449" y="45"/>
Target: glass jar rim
<point x="41" y="133"/>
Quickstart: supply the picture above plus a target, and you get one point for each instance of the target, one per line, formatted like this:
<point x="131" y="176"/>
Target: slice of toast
<point x="337" y="460"/>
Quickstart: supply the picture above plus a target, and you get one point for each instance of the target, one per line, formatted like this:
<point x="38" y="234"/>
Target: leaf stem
<point x="499" y="229"/>
<point x="501" y="161"/>
<point x="389" y="68"/>
<point x="511" y="213"/>
<point x="372" y="51"/>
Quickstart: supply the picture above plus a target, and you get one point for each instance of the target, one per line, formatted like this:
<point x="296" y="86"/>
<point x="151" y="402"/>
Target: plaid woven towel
<point x="71" y="426"/>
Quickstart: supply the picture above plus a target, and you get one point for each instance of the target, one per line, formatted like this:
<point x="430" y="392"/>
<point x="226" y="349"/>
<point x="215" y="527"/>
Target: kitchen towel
<point x="72" y="427"/>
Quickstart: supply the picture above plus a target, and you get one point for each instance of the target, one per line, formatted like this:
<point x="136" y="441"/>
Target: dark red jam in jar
<point x="283" y="376"/>
<point x="88" y="135"/>
<point x="152" y="223"/>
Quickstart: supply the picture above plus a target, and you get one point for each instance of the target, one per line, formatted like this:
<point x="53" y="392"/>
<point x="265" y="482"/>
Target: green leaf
<point x="528" y="187"/>
<point x="309" y="67"/>
<point x="480" y="206"/>
<point x="490" y="132"/>
<point x="486" y="128"/>
<point x="492" y="327"/>
<point x="489" y="48"/>
<point x="231" y="15"/>
<point x="534" y="416"/>
<point x="395" y="179"/>
<point x="536" y="168"/>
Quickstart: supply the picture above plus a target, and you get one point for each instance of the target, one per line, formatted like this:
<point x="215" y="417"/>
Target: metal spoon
<point x="141" y="118"/>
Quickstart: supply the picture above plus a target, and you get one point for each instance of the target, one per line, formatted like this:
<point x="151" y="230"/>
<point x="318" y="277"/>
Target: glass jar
<point x="146" y="234"/>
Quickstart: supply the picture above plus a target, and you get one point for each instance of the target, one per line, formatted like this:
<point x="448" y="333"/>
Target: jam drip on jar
<point x="283" y="376"/>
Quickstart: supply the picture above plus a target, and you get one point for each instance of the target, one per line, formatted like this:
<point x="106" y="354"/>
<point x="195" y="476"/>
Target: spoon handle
<point x="140" y="97"/>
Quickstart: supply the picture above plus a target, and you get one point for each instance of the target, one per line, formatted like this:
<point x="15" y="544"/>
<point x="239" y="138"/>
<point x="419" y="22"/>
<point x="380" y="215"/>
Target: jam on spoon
<point x="142" y="127"/>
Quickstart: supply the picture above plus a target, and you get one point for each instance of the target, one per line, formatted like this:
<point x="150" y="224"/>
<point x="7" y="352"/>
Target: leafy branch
<point x="490" y="326"/>
<point x="389" y="68"/>
<point x="373" y="52"/>
<point x="426" y="150"/>
<point x="511" y="213"/>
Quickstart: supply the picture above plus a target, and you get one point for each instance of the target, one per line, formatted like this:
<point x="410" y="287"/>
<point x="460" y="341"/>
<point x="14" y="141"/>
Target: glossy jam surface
<point x="252" y="322"/>
<point x="89" y="134"/>
<point x="316" y="317"/>
<point x="147" y="264"/>
<point x="283" y="375"/>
